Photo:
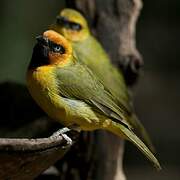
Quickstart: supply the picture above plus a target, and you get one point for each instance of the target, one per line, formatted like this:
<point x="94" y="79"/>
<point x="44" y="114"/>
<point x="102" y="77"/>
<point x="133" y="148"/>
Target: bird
<point x="74" y="27"/>
<point x="70" y="93"/>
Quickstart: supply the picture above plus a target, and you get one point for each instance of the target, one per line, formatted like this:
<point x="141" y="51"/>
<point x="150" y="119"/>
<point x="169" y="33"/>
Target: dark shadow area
<point x="157" y="97"/>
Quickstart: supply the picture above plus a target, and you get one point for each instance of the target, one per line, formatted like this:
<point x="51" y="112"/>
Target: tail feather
<point x="141" y="131"/>
<point x="121" y="130"/>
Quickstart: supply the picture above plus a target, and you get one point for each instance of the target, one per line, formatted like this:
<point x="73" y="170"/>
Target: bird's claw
<point x="69" y="141"/>
<point x="61" y="132"/>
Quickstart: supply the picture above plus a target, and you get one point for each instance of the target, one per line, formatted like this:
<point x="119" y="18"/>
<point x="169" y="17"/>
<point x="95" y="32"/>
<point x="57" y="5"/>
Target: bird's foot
<point x="61" y="132"/>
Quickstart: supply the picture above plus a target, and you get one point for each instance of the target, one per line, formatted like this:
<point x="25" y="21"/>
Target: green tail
<point x="140" y="130"/>
<point x="120" y="130"/>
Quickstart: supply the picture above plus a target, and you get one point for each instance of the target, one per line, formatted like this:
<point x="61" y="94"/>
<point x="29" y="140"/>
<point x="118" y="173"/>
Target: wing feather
<point x="78" y="82"/>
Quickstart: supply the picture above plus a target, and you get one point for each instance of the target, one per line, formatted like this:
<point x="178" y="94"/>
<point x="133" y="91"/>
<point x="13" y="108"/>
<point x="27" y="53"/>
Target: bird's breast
<point x="44" y="89"/>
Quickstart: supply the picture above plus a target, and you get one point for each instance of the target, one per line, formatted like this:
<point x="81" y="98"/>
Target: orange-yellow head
<point x="51" y="49"/>
<point x="72" y="25"/>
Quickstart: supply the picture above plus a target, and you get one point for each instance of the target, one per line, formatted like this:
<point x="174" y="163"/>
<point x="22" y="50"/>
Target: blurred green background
<point x="157" y="96"/>
<point x="21" y="21"/>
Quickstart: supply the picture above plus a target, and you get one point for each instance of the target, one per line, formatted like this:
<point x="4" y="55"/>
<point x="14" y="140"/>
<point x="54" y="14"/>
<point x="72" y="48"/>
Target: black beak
<point x="42" y="40"/>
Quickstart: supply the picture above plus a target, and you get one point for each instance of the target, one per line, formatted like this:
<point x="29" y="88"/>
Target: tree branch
<point x="27" y="158"/>
<point x="20" y="117"/>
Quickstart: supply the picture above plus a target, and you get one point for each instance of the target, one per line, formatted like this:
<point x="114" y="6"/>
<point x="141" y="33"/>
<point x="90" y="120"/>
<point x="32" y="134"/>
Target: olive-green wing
<point x="91" y="53"/>
<point x="78" y="82"/>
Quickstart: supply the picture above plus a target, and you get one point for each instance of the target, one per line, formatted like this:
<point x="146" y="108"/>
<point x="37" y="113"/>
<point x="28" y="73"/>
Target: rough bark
<point x="27" y="158"/>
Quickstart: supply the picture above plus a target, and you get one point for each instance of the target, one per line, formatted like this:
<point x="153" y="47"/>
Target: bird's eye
<point x="75" y="26"/>
<point x="58" y="49"/>
<point x="66" y="23"/>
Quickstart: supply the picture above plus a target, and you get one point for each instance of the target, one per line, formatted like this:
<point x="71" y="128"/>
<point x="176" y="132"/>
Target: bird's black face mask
<point x="40" y="54"/>
<point x="41" y="51"/>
